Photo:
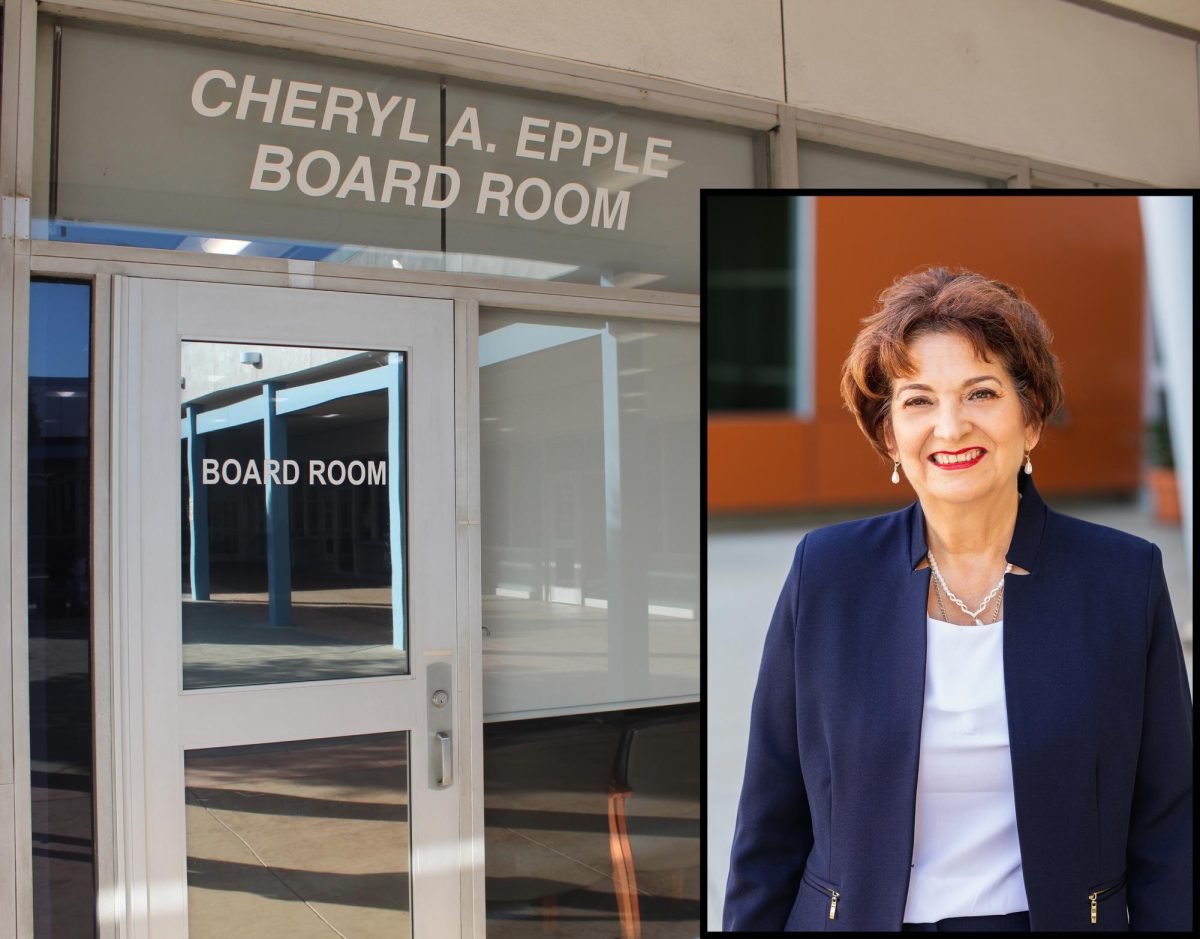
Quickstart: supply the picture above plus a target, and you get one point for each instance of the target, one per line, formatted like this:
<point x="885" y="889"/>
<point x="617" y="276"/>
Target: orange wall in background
<point x="1078" y="259"/>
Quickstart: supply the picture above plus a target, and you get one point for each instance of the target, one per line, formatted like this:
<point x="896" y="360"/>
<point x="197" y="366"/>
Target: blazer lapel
<point x="1033" y="648"/>
<point x="901" y="693"/>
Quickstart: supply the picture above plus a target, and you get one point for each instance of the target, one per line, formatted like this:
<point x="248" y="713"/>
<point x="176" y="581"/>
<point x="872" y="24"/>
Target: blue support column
<point x="396" y="493"/>
<point x="279" y="535"/>
<point x="198" y="497"/>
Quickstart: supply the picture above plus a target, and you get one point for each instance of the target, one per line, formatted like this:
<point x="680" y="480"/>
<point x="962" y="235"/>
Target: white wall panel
<point x="730" y="46"/>
<point x="1053" y="81"/>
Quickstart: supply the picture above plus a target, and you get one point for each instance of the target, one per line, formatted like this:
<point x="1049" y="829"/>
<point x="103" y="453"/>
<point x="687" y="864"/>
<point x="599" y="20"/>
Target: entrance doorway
<point x="287" y="616"/>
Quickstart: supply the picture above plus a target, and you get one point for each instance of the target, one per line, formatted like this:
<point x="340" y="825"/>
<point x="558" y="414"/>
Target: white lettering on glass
<point x="380" y="111"/>
<point x="430" y="200"/>
<point x="293" y="103"/>
<point x="406" y="131"/>
<point x="488" y="191"/>
<point x="358" y="179"/>
<point x="279" y="166"/>
<point x="319" y="173"/>
<point x="268" y="99"/>
<point x="653" y="156"/>
<point x="302" y="181"/>
<point x="529" y="135"/>
<point x="560" y="200"/>
<point x="566" y="137"/>
<point x="619" y="163"/>
<point x="599" y="142"/>
<point x="287" y="472"/>
<point x="541" y="208"/>
<point x="349" y="111"/>
<point x="467" y="128"/>
<point x="206" y="78"/>
<point x="616" y="212"/>
<point x="393" y="180"/>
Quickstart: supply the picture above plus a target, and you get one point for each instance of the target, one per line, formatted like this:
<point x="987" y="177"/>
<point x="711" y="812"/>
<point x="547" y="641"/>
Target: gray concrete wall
<point x="1048" y="79"/>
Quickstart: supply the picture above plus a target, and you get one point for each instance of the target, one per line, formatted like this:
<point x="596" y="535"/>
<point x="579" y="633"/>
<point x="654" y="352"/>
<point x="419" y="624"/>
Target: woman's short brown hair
<point x="994" y="317"/>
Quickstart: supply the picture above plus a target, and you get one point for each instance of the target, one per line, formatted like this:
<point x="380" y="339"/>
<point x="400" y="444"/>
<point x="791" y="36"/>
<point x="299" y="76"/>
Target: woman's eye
<point x="985" y="393"/>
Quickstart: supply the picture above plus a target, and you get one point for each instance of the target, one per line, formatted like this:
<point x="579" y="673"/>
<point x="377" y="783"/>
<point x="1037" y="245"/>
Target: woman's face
<point x="956" y="402"/>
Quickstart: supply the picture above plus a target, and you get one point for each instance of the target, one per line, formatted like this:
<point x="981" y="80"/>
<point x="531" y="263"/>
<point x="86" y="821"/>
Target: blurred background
<point x="788" y="281"/>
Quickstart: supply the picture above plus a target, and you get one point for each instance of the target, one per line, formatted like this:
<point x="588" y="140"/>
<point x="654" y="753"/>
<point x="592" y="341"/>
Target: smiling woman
<point x="936" y="745"/>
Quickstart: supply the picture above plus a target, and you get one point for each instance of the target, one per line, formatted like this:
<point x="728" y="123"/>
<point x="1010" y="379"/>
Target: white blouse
<point x="966" y="859"/>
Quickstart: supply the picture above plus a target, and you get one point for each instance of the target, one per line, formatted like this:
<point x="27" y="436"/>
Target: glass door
<point x="285" y="613"/>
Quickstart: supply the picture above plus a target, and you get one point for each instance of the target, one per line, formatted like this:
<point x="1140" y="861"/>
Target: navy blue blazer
<point x="1099" y="723"/>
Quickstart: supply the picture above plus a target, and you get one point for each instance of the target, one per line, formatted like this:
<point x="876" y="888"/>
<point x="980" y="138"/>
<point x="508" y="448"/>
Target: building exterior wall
<point x="1026" y="83"/>
<point x="1117" y="98"/>
<point x="733" y="47"/>
<point x="1079" y="261"/>
<point x="1053" y="81"/>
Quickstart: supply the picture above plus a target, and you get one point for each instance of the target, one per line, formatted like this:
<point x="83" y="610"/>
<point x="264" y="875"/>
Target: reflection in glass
<point x="292" y="492"/>
<point x="60" y="614"/>
<point x="825" y="167"/>
<point x="590" y="441"/>
<point x="299" y="839"/>
<point x="593" y="825"/>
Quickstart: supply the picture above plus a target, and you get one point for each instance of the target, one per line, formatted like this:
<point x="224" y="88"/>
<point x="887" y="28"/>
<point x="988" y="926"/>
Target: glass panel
<point x="605" y="195"/>
<point x="826" y="167"/>
<point x="292" y="493"/>
<point x="299" y="839"/>
<point x="224" y="119"/>
<point x="60" y="612"/>
<point x="593" y="825"/>
<point x="198" y="144"/>
<point x="590" y="494"/>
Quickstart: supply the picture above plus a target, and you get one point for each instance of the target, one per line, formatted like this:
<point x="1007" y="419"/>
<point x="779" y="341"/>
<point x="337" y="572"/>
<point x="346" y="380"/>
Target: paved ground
<point x="747" y="563"/>
<point x="299" y="840"/>
<point x="336" y="633"/>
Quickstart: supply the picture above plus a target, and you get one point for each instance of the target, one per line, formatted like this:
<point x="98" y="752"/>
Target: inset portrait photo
<point x="949" y="609"/>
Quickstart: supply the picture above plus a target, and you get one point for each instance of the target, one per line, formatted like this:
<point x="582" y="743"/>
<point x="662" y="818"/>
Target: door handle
<point x="439" y="712"/>
<point x="447" y="758"/>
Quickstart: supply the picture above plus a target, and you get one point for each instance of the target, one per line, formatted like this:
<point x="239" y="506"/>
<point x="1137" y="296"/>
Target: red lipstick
<point x="957" y="466"/>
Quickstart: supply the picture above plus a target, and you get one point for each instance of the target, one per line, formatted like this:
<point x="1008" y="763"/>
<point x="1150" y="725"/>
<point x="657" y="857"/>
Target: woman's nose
<point x="950" y="425"/>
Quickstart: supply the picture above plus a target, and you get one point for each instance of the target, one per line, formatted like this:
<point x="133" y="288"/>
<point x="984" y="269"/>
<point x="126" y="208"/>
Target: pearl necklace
<point x="962" y="606"/>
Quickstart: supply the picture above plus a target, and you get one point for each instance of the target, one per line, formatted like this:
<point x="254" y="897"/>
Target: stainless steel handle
<point x="439" y="713"/>
<point x="447" y="753"/>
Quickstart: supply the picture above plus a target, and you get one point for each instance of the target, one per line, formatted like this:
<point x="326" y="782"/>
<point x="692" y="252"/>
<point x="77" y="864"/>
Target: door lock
<point x="440" y="725"/>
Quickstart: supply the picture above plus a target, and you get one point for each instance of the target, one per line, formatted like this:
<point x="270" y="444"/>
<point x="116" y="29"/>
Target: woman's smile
<point x="958" y="459"/>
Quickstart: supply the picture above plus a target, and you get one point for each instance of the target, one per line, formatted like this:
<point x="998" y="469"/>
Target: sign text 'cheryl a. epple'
<point x="330" y="109"/>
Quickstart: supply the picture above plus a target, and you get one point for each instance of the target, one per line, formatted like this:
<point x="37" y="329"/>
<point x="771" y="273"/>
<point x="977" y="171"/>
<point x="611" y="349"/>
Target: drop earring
<point x="1028" y="464"/>
<point x="896" y="473"/>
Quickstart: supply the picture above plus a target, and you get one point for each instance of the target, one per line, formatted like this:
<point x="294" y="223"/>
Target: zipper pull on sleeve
<point x="1092" y="897"/>
<point x="833" y="899"/>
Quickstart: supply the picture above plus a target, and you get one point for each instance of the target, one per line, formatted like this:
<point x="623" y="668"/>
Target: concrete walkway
<point x="747" y="563"/>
